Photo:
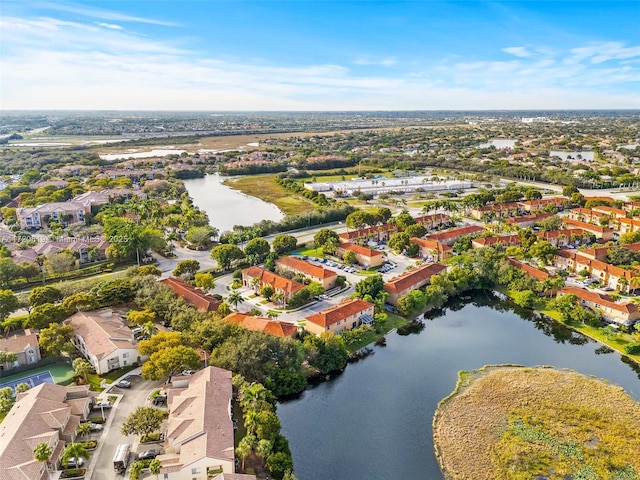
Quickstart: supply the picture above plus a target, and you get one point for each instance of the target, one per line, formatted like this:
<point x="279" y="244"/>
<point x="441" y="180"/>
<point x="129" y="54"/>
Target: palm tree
<point x="84" y="429"/>
<point x="154" y="467"/>
<point x="75" y="450"/>
<point x="42" y="453"/>
<point x="82" y="367"/>
<point x="245" y="447"/>
<point x="235" y="298"/>
<point x="278" y="298"/>
<point x="255" y="283"/>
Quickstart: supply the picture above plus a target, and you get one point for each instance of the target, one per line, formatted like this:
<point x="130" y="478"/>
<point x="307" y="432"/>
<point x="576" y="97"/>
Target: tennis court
<point x="32" y="380"/>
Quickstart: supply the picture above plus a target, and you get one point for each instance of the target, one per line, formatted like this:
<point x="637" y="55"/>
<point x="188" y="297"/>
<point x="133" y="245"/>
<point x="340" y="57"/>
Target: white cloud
<point x="102" y="14"/>
<point x="385" y="62"/>
<point x="112" y="26"/>
<point x="521" y="52"/>
<point x="604" y="51"/>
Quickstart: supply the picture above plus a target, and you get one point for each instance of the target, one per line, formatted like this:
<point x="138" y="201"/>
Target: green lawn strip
<point x="393" y="321"/>
<point x="310" y="252"/>
<point x="265" y="188"/>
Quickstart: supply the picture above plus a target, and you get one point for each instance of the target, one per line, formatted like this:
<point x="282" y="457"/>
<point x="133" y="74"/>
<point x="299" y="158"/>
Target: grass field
<point x="265" y="188"/>
<point x="393" y="321"/>
<point x="508" y="423"/>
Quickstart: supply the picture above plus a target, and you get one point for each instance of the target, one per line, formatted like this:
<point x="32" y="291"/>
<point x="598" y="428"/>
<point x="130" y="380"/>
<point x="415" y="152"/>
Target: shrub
<point x="152" y="437"/>
<point x="97" y="420"/>
<point x="89" y="445"/>
<point x="632" y="349"/>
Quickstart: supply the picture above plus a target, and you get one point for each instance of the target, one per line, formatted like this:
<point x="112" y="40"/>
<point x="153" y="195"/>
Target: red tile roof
<point x="259" y="324"/>
<point x="456" y="232"/>
<point x="529" y="218"/>
<point x="273" y="279"/>
<point x="365" y="232"/>
<point x="529" y="270"/>
<point x="192" y="295"/>
<point x="567" y="232"/>
<point x="586" y="226"/>
<point x="339" y="312"/>
<point x="431" y="244"/>
<point x="435" y="218"/>
<point x="502" y="240"/>
<point x="360" y="250"/>
<point x="306" y="267"/>
<point x="600" y="299"/>
<point x="413" y="277"/>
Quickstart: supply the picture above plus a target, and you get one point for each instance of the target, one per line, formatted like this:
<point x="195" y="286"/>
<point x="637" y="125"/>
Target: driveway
<point x="101" y="465"/>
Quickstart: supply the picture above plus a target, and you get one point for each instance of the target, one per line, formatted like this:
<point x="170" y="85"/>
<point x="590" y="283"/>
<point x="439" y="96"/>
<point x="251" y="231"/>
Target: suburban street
<point x="101" y="465"/>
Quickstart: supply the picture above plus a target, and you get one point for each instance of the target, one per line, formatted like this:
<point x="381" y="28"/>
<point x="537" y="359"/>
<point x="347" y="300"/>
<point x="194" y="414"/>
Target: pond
<point x="227" y="207"/>
<point x="374" y="420"/>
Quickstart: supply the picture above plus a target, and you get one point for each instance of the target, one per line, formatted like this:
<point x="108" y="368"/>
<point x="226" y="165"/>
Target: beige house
<point x="325" y="277"/>
<point x="63" y="212"/>
<point x="367" y="257"/>
<point x="347" y="315"/>
<point x="604" y="233"/>
<point x="620" y="313"/>
<point x="24" y="345"/>
<point x="411" y="280"/>
<point x="104" y="340"/>
<point x="258" y="277"/>
<point x="199" y="437"/>
<point x="47" y="414"/>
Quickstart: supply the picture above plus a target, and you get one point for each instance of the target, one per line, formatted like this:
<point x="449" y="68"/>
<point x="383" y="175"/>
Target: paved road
<point x="101" y="466"/>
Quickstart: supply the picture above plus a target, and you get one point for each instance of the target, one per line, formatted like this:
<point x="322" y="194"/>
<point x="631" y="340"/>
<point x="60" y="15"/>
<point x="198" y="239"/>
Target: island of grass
<point x="515" y="423"/>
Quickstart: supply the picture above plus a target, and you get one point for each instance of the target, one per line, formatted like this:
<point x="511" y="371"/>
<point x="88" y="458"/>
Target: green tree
<point x="245" y="448"/>
<point x="382" y="215"/>
<point x="278" y="464"/>
<point x="412" y="250"/>
<point x="282" y="244"/>
<point x="43" y="315"/>
<point x="186" y="267"/>
<point x="327" y="353"/>
<point x="61" y="262"/>
<point x="235" y="298"/>
<point x="42" y="453"/>
<point x="398" y="241"/>
<point x="205" y="281"/>
<point x="349" y="257"/>
<point x="154" y="467"/>
<point x="630" y="237"/>
<point x="226" y="255"/>
<point x="315" y="289"/>
<point x="266" y="291"/>
<point x="257" y="249"/>
<point x="403" y="220"/>
<point x="525" y="298"/>
<point x="143" y="421"/>
<point x="79" y="302"/>
<point x="323" y="237"/>
<point x="159" y="342"/>
<point x="569" y="190"/>
<point x="82" y="367"/>
<point x="359" y="219"/>
<point x="141" y="317"/>
<point x="135" y="470"/>
<point x="371" y="285"/>
<point x="169" y="361"/>
<point x="75" y="450"/>
<point x="201" y="236"/>
<point x="415" y="230"/>
<point x="56" y="339"/>
<point x="84" y="429"/>
<point x="45" y="294"/>
<point x="8" y="304"/>
<point x="6" y="399"/>
<point x="8" y="271"/>
<point x="22" y="387"/>
<point x="543" y="251"/>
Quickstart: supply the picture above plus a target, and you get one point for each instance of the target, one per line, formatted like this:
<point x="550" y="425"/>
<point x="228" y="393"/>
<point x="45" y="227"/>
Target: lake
<point x="374" y="420"/>
<point x="227" y="207"/>
<point x="499" y="143"/>
<point x="575" y="156"/>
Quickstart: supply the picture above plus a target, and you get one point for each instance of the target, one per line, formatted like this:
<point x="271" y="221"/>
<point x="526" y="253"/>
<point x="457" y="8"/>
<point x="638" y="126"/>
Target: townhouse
<point x="377" y="234"/>
<point x="325" y="277"/>
<point x="498" y="210"/>
<point x="104" y="340"/>
<point x="24" y="345"/>
<point x="602" y="233"/>
<point x="347" y="315"/>
<point x="449" y="237"/>
<point x="625" y="314"/>
<point x="63" y="212"/>
<point x="264" y="277"/>
<point x="199" y="440"/>
<point x="503" y="241"/>
<point x="192" y="295"/>
<point x="564" y="237"/>
<point x="432" y="250"/>
<point x="538" y="205"/>
<point x="48" y="414"/>
<point x="365" y="256"/>
<point x="260" y="324"/>
<point x="528" y="220"/>
<point x="610" y="211"/>
<point x="411" y="280"/>
<point x="431" y="222"/>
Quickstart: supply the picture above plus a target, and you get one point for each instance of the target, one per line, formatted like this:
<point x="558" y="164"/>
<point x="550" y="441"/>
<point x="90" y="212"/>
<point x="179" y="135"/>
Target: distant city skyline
<point x="308" y="55"/>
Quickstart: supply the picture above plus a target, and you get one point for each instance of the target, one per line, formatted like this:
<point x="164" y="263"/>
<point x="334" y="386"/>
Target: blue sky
<point x="319" y="55"/>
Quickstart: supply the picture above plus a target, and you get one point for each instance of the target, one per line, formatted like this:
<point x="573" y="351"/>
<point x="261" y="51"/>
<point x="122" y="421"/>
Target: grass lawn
<point x="310" y="252"/>
<point x="265" y="188"/>
<point x="393" y="321"/>
<point x="95" y="379"/>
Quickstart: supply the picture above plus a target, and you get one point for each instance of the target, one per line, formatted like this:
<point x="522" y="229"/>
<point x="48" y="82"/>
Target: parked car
<point x="123" y="384"/>
<point x="75" y="462"/>
<point x="160" y="399"/>
<point x="95" y="427"/>
<point x="102" y="404"/>
<point x="149" y="454"/>
<point x="188" y="372"/>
